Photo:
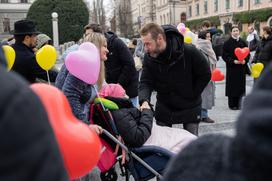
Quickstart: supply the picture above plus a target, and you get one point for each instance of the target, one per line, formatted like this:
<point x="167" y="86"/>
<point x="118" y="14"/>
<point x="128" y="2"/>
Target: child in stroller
<point x="137" y="128"/>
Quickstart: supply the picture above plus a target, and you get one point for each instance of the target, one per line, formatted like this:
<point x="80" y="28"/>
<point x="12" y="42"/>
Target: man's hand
<point x="144" y="105"/>
<point x="96" y="128"/>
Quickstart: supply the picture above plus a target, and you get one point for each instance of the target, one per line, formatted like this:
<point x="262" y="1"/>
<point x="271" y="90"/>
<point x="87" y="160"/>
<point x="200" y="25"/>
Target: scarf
<point x="206" y="47"/>
<point x="237" y="39"/>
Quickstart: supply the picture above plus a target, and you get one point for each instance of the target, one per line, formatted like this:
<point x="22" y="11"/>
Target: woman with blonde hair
<point x="79" y="93"/>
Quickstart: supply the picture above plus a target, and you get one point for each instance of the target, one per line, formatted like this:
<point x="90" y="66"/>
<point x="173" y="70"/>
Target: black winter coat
<point x="243" y="157"/>
<point x="120" y="67"/>
<point x="235" y="73"/>
<point x="26" y="65"/>
<point x="133" y="125"/>
<point x="29" y="150"/>
<point x="179" y="75"/>
<point x="264" y="51"/>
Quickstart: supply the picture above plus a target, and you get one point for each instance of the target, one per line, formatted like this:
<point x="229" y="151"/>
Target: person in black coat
<point x="264" y="51"/>
<point x="236" y="70"/>
<point x="25" y="63"/>
<point x="244" y="157"/>
<point x="29" y="150"/>
<point x="179" y="74"/>
<point x="120" y="67"/>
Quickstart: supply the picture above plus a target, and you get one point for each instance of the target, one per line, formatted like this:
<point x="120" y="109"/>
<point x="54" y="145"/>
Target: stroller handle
<point x="159" y="176"/>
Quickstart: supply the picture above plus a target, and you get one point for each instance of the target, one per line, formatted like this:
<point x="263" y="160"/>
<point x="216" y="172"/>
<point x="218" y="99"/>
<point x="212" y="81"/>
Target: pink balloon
<point x="84" y="63"/>
<point x="181" y="27"/>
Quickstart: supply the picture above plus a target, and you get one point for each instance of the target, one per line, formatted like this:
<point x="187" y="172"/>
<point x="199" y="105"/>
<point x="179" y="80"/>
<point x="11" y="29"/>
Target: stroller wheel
<point x="110" y="175"/>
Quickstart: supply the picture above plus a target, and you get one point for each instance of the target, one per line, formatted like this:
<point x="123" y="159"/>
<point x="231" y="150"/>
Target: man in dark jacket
<point x="25" y="63"/>
<point x="29" y="150"/>
<point x="120" y="67"/>
<point x="244" y="157"/>
<point x="178" y="73"/>
<point x="264" y="50"/>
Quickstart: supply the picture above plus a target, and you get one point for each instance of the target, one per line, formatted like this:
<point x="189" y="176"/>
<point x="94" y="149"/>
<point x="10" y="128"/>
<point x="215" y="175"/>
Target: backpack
<point x="218" y="40"/>
<point x="218" y="43"/>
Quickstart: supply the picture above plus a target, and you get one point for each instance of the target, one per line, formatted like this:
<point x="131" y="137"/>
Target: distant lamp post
<point x="55" y="30"/>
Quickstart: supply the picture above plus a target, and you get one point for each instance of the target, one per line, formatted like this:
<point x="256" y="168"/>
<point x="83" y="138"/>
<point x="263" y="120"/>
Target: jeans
<point x="190" y="127"/>
<point x="204" y="113"/>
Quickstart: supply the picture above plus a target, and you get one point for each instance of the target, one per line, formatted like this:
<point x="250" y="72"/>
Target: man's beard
<point x="156" y="52"/>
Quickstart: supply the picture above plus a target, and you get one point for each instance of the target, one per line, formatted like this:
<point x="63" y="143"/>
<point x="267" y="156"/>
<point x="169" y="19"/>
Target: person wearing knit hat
<point x="246" y="156"/>
<point x="43" y="39"/>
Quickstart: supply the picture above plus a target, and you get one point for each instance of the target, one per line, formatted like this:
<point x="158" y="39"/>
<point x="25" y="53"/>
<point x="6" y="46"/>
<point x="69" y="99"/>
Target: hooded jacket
<point x="179" y="75"/>
<point x="245" y="157"/>
<point x="133" y="125"/>
<point x="29" y="150"/>
<point x="264" y="51"/>
<point x="120" y="67"/>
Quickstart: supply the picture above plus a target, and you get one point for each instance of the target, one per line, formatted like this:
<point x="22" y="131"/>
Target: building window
<point x="257" y="1"/>
<point x="190" y="11"/>
<point x="215" y="5"/>
<point x="240" y="3"/>
<point x="206" y="6"/>
<point x="197" y="9"/>
<point x="164" y="21"/>
<point x="6" y="24"/>
<point x="4" y="1"/>
<point x="227" y="4"/>
<point x="24" y="1"/>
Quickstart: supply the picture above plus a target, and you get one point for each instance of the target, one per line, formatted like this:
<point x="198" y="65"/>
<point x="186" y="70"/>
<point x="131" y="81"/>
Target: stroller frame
<point x="159" y="176"/>
<point x="125" y="169"/>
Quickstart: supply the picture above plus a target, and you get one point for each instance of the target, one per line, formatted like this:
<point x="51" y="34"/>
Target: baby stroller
<point x="142" y="163"/>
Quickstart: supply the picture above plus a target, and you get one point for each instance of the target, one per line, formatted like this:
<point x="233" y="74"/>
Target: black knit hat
<point x="24" y="27"/>
<point x="244" y="157"/>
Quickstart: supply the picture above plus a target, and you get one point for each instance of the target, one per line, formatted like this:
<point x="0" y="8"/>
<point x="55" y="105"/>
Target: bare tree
<point x="124" y="15"/>
<point x="98" y="13"/>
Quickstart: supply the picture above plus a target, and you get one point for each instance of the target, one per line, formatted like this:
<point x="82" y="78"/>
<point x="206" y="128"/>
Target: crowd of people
<point x="180" y="73"/>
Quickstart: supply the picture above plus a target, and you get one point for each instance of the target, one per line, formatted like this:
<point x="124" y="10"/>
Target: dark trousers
<point x="234" y="102"/>
<point x="191" y="127"/>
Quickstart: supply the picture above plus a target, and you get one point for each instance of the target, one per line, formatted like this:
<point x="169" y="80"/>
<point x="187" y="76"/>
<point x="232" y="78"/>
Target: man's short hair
<point x="95" y="27"/>
<point x="206" y="23"/>
<point x="267" y="29"/>
<point x="154" y="29"/>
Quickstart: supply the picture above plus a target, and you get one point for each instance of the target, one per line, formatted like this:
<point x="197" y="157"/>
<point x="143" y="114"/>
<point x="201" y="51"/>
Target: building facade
<point x="225" y="9"/>
<point x="143" y="11"/>
<point x="168" y="11"/>
<point x="158" y="11"/>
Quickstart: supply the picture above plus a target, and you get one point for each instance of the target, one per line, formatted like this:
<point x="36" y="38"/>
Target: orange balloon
<point x="79" y="145"/>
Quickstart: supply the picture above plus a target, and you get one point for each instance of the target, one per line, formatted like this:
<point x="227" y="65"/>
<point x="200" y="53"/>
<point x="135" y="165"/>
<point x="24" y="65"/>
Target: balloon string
<point x="48" y="77"/>
<point x="99" y="99"/>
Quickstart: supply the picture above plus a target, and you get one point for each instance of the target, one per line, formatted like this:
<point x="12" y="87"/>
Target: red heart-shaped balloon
<point x="241" y="53"/>
<point x="217" y="75"/>
<point x="79" y="145"/>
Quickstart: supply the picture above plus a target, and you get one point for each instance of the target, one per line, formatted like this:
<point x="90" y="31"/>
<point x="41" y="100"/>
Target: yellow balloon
<point x="46" y="57"/>
<point x="256" y="70"/>
<point x="10" y="55"/>
<point x="187" y="29"/>
<point x="188" y="39"/>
